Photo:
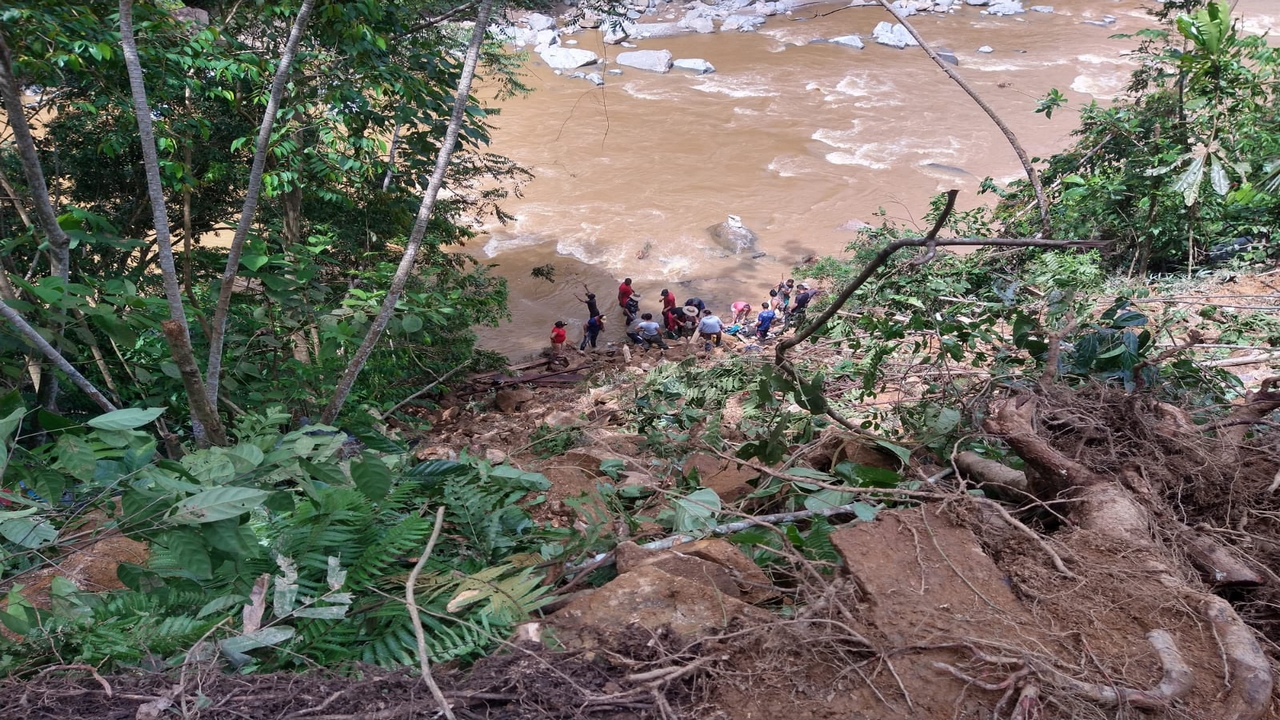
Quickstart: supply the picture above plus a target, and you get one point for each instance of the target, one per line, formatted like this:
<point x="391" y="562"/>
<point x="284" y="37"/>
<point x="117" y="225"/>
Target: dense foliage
<point x="1186" y="163"/>
<point x="359" y="128"/>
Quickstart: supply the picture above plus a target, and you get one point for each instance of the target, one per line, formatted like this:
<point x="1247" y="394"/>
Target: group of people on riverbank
<point x="693" y="320"/>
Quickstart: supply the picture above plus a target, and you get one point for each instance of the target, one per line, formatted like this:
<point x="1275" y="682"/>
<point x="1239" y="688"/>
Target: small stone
<point x="852" y="41"/>
<point x="658" y="61"/>
<point x="1046" y="9"/>
<point x="494" y="456"/>
<point x="596" y="79"/>
<point x="986" y="49"/>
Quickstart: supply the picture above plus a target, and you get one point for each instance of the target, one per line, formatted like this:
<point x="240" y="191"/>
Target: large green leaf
<point x="28" y="532"/>
<point x="372" y="477"/>
<point x="217" y="504"/>
<point x="126" y="419"/>
<point x="696" y="512"/>
<point x="190" y="552"/>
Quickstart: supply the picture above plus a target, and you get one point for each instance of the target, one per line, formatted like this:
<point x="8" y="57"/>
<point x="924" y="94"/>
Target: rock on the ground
<point x="658" y="61"/>
<point x="595" y="79"/>
<point x="852" y="41"/>
<point x="1008" y="7"/>
<point x="614" y="33"/>
<point x="893" y="35"/>
<point x="564" y="58"/>
<point x="729" y="480"/>
<point x="976" y="2"/>
<point x="589" y="460"/>
<point x="958" y="578"/>
<point x="1046" y="9"/>
<point x="509" y="399"/>
<point x="712" y="560"/>
<point x="741" y="23"/>
<point x="986" y="49"/>
<point x="903" y="9"/>
<point x="697" y="65"/>
<point x="652" y="599"/>
<point x="538" y="21"/>
<point x="494" y="456"/>
<point x="733" y="236"/>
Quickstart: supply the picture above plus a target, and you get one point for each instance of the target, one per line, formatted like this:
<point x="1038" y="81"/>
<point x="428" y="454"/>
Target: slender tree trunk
<point x="1032" y="175"/>
<point x="17" y="201"/>
<point x="206" y="425"/>
<point x="59" y="243"/>
<point x="17" y="321"/>
<point x="456" y="119"/>
<point x="217" y="336"/>
<point x="391" y="158"/>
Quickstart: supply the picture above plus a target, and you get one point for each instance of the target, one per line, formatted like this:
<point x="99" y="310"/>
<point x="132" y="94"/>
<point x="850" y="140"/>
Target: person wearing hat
<point x="689" y="321"/>
<point x="558" y="336"/>
<point x="592" y="308"/>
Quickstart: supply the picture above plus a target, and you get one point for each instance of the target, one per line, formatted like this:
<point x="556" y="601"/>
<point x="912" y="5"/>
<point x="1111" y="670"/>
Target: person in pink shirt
<point x="740" y="309"/>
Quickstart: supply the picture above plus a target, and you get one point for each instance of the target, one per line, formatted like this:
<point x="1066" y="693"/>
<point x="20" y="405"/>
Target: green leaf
<point x="371" y="476"/>
<point x="138" y="578"/>
<point x="219" y="503"/>
<point x="28" y="532"/>
<point x="254" y="262"/>
<point x="1218" y="176"/>
<point x="126" y="419"/>
<point x="411" y="323"/>
<point x="221" y="604"/>
<point x="903" y="454"/>
<point x="865" y="512"/>
<point x="697" y="511"/>
<point x="8" y="425"/>
<point x="188" y="547"/>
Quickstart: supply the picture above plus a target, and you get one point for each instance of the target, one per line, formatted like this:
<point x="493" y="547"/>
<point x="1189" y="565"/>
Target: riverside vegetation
<point x="1053" y="454"/>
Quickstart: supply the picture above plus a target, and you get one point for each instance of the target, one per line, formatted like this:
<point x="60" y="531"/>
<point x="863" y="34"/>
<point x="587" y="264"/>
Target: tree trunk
<point x="207" y="426"/>
<point x="59" y="243"/>
<point x="424" y="215"/>
<point x="218" y="328"/>
<point x="1032" y="175"/>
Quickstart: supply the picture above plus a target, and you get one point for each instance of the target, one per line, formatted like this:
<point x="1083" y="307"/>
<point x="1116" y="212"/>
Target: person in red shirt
<point x="557" y="339"/>
<point x="668" y="300"/>
<point x="625" y="292"/>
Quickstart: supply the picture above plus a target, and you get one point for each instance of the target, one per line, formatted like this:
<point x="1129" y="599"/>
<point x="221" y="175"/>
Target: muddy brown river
<point x="797" y="139"/>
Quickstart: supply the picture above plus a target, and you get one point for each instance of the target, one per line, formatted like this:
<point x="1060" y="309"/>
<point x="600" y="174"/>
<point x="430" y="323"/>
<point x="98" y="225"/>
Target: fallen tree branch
<point x="1194" y="337"/>
<point x="424" y="390"/>
<point x="24" y="328"/>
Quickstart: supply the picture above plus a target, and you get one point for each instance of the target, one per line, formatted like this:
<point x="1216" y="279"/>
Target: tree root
<point x="1026" y="680"/>
<point x="1251" y="680"/>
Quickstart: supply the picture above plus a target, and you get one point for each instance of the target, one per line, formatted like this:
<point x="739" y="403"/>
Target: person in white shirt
<point x="710" y="327"/>
<point x="647" y="332"/>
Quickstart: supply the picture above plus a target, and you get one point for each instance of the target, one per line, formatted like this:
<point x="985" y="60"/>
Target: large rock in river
<point x="658" y="61"/>
<point x="562" y="58"/>
<point x="893" y="35"/>
<point x="733" y="236"/>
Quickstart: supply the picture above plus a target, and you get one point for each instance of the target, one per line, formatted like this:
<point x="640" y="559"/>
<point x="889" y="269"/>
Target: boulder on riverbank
<point x="1009" y="7"/>
<point x="733" y="236"/>
<point x="658" y="61"/>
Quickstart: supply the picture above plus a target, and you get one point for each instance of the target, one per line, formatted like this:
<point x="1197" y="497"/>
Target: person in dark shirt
<point x="764" y="320"/>
<point x="593" y="310"/>
<point x="795" y="318"/>
<point x="631" y="309"/>
<point x="696" y="302"/>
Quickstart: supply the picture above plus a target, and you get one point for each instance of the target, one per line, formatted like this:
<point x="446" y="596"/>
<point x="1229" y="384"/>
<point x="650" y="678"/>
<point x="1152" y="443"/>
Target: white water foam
<point x="983" y="64"/>
<point x="502" y="242"/>
<point x="737" y="86"/>
<point x="649" y="90"/>
<point x="1103" y="86"/>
